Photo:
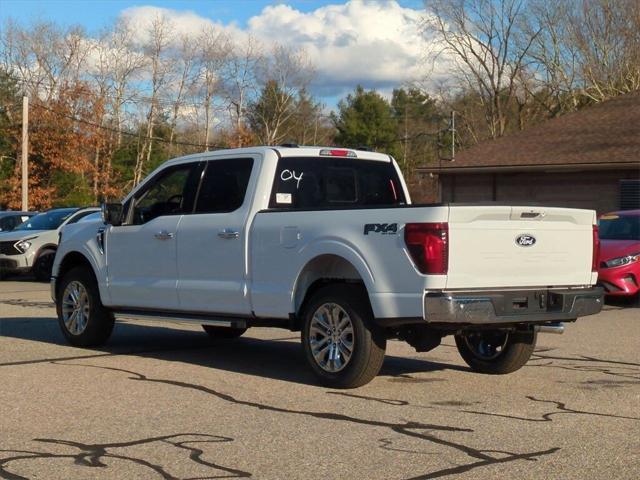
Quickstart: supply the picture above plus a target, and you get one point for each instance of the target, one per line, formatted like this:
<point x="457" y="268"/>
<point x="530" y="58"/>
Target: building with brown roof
<point x="586" y="159"/>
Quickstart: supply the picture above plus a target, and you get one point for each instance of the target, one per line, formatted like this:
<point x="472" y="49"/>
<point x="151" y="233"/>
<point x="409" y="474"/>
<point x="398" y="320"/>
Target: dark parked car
<point x="11" y="219"/>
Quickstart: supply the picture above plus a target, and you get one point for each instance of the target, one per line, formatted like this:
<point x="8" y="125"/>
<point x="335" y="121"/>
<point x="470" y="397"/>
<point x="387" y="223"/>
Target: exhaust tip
<point x="557" y="328"/>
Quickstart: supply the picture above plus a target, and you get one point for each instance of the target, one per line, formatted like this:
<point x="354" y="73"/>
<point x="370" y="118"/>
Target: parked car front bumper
<point x="512" y="307"/>
<point x="621" y="281"/>
<point x="15" y="263"/>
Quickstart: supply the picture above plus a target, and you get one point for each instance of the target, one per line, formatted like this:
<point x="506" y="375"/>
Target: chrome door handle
<point x="228" y="233"/>
<point x="163" y="235"/>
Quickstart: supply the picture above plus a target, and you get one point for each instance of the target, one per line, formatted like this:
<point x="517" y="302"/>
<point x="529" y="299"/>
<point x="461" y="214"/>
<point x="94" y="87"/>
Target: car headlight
<point x="23" y="245"/>
<point x="620" y="261"/>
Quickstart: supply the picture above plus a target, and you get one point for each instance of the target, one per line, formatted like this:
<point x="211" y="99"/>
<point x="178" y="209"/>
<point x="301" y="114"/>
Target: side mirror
<point x="112" y="214"/>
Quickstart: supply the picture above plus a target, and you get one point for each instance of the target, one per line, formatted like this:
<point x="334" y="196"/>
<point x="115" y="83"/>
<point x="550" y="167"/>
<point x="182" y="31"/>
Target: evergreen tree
<point x="365" y="119"/>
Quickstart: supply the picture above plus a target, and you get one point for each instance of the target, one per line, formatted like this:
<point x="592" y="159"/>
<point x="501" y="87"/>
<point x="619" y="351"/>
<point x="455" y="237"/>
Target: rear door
<point x="494" y="246"/>
<point x="212" y="256"/>
<point x="141" y="253"/>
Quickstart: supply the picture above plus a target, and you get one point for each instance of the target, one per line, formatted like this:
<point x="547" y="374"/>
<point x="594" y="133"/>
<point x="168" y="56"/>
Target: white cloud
<point x="378" y="44"/>
<point x="374" y="43"/>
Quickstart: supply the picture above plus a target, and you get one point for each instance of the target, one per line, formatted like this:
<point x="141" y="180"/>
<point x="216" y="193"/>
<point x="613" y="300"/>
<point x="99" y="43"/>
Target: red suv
<point x="619" y="271"/>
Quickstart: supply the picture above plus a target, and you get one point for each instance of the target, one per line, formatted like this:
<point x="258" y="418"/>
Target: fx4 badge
<point x="525" y="240"/>
<point x="383" y="228"/>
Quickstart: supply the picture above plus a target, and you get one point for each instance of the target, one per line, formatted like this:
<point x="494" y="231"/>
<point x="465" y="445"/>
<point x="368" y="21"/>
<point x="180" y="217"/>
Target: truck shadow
<point x="279" y="358"/>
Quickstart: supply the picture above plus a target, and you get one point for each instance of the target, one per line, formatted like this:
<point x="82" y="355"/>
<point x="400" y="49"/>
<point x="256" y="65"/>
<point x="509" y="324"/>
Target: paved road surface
<point x="168" y="403"/>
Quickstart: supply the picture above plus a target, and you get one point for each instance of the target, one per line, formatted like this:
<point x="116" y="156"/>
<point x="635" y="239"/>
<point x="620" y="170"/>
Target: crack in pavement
<point x="95" y="455"/>
<point x="607" y="367"/>
<point x="417" y="430"/>
<point x="546" y="417"/>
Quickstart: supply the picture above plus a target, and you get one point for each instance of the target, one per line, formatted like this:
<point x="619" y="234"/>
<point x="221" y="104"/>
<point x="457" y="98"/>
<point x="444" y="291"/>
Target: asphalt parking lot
<point x="168" y="402"/>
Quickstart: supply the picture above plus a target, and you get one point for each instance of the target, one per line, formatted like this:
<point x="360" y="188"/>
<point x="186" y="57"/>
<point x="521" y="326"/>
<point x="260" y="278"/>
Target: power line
<point x="124" y="132"/>
<point x="82" y="90"/>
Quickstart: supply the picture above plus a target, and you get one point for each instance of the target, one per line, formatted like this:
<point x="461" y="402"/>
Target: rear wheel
<point x="343" y="346"/>
<point x="223" y="332"/>
<point x="496" y="352"/>
<point x="43" y="265"/>
<point x="82" y="317"/>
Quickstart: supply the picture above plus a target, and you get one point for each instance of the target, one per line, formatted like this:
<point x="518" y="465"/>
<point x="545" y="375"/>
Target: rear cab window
<point x="335" y="183"/>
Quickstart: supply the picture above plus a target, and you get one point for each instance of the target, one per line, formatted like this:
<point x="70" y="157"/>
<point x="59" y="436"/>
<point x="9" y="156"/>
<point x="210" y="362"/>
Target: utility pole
<point x="453" y="135"/>
<point x="25" y="153"/>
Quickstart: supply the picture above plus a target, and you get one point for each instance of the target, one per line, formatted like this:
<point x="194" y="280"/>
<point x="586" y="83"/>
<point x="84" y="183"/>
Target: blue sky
<point x="93" y="14"/>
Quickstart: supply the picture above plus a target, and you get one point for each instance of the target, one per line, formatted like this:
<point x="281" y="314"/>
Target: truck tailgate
<point x="495" y="246"/>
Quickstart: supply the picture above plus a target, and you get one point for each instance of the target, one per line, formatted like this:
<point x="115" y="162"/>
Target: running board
<point x="180" y="318"/>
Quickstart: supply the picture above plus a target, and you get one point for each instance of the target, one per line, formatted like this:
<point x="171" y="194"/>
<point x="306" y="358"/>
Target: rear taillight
<point x="595" y="259"/>
<point x="428" y="245"/>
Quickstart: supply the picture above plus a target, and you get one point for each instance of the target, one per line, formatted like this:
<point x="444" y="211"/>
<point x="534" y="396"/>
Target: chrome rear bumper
<point x="503" y="307"/>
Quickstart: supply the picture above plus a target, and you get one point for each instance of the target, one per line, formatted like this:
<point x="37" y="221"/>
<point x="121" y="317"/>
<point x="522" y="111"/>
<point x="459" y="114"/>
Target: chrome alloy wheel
<point x="75" y="308"/>
<point x="331" y="337"/>
<point x="487" y="346"/>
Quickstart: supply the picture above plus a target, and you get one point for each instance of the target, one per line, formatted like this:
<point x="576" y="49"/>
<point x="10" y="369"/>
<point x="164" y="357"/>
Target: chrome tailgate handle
<point x="163" y="235"/>
<point x="229" y="233"/>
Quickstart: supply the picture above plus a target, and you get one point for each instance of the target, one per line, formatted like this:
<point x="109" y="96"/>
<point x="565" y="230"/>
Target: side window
<point x="6" y="223"/>
<point x="224" y="185"/>
<point x="167" y="194"/>
<point x="79" y="216"/>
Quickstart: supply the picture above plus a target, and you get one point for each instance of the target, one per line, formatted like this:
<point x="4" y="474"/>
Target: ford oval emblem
<point x="525" y="240"/>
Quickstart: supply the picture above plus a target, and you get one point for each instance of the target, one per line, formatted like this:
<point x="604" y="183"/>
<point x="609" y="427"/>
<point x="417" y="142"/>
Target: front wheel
<point x="82" y="317"/>
<point x="343" y="346"/>
<point x="496" y="352"/>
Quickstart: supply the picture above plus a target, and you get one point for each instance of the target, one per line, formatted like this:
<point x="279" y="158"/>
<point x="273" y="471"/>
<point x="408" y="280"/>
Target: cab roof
<point x="285" y="151"/>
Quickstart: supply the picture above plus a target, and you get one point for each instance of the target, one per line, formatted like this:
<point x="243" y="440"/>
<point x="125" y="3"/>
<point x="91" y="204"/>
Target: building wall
<point x="598" y="190"/>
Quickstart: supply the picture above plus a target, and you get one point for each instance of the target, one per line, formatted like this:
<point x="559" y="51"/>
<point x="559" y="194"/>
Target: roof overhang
<point x="572" y="167"/>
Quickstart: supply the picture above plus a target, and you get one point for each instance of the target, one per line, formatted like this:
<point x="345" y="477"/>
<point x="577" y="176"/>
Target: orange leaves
<point x="65" y="138"/>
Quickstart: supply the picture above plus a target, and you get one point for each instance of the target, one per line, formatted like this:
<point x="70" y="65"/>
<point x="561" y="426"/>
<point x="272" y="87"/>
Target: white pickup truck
<point x="326" y="241"/>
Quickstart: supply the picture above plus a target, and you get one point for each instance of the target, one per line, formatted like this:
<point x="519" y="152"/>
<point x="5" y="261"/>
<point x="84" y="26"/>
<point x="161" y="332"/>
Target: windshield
<point x="46" y="221"/>
<point x="622" y="227"/>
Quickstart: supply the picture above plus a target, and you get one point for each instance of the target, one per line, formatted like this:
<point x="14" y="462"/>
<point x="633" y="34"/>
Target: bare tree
<point x="553" y="57"/>
<point x="214" y="47"/>
<point x="489" y="44"/>
<point x="45" y="55"/>
<point x="607" y="39"/>
<point x="184" y="78"/>
<point x="155" y="50"/>
<point x="124" y="64"/>
<point x="283" y="74"/>
<point x="241" y="81"/>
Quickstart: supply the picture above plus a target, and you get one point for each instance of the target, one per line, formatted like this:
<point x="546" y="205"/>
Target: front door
<point x="212" y="267"/>
<point x="141" y="254"/>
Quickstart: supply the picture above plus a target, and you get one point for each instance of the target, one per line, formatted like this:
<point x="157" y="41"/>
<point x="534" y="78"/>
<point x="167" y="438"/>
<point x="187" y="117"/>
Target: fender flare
<point x="338" y="248"/>
<point x="50" y="246"/>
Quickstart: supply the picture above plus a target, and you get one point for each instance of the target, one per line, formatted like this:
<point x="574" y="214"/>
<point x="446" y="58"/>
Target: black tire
<point x="496" y="352"/>
<point x="367" y="340"/>
<point x="99" y="320"/>
<point x="223" y="332"/>
<point x="43" y="265"/>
